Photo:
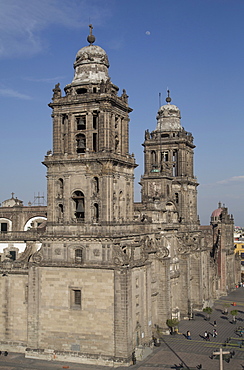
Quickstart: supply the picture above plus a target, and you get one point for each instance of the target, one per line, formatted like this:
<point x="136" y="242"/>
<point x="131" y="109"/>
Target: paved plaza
<point x="176" y="351"/>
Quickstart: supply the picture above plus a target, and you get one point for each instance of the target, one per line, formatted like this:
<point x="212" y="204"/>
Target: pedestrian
<point x="215" y="323"/>
<point x="215" y="333"/>
<point x="205" y="335"/>
<point x="133" y="357"/>
<point x="208" y="337"/>
<point x="188" y="335"/>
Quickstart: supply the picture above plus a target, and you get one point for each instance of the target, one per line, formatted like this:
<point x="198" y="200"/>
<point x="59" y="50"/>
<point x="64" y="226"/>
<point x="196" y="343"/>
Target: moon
<point x="148" y="33"/>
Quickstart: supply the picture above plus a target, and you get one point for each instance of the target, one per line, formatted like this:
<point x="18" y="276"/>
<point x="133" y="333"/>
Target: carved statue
<point x="57" y="91"/>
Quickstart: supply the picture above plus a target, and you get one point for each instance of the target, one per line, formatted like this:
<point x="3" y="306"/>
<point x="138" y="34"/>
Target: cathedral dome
<point x="12" y="202"/>
<point x="91" y="63"/>
<point x="168" y="117"/>
<point x="169" y="110"/>
<point x="91" y="54"/>
<point x="217" y="212"/>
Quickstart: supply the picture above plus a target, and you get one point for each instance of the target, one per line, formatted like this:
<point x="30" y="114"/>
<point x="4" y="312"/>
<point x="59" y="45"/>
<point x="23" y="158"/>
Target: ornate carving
<point x="122" y="256"/>
<point x="188" y="242"/>
<point x="37" y="257"/>
<point x="92" y="57"/>
<point x="29" y="250"/>
<point x="57" y="251"/>
<point x="162" y="252"/>
<point x="96" y="252"/>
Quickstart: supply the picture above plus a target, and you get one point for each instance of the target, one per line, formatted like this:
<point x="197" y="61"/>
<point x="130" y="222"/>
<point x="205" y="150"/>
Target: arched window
<point x="60" y="187"/>
<point x="94" y="121"/>
<point x="4" y="227"/>
<point x="165" y="156"/>
<point x="96" y="184"/>
<point x="81" y="123"/>
<point x="80" y="143"/>
<point x="78" y="198"/>
<point x="176" y="198"/>
<point x="94" y="141"/>
<point x="78" y="255"/>
<point x="60" y="211"/>
<point x="13" y="255"/>
<point x="167" y="190"/>
<point x="116" y="142"/>
<point x="153" y="157"/>
<point x="64" y="119"/>
<point x="175" y="163"/>
<point x="96" y="212"/>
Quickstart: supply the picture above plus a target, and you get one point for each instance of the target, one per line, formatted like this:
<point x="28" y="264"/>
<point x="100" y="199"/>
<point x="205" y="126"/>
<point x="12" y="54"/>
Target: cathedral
<point x="93" y="275"/>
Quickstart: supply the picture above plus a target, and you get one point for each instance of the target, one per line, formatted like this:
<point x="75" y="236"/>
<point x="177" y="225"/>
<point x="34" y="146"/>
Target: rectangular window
<point x="242" y="255"/>
<point x="4" y="227"/>
<point x="95" y="122"/>
<point x="75" y="298"/>
<point x="94" y="142"/>
<point x="13" y="255"/>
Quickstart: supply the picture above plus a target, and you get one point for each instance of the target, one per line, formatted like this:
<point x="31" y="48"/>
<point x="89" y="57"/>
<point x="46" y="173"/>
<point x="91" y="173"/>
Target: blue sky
<point x="193" y="47"/>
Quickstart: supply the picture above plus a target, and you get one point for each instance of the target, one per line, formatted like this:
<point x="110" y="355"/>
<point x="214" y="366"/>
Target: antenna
<point x="159" y="97"/>
<point x="39" y="200"/>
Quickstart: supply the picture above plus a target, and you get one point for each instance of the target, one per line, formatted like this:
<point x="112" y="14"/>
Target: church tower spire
<point x="90" y="171"/>
<point x="168" y="183"/>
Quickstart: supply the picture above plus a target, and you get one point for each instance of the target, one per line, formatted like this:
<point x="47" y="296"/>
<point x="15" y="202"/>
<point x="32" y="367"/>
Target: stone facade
<point x="106" y="273"/>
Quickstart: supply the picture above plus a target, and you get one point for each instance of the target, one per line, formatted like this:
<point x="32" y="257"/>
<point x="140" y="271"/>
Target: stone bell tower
<point x="169" y="188"/>
<point x="90" y="171"/>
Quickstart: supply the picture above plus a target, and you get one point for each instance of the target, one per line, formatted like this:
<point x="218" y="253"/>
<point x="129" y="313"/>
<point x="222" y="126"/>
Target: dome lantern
<point x="168" y="117"/>
<point x="91" y="63"/>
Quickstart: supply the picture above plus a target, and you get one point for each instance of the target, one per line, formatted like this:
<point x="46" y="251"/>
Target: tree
<point x="234" y="313"/>
<point x="172" y="324"/>
<point x="225" y="306"/>
<point x="208" y="311"/>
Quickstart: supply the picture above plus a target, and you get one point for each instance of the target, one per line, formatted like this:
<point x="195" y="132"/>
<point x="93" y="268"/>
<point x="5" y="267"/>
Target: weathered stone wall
<point x="53" y="322"/>
<point x="13" y="308"/>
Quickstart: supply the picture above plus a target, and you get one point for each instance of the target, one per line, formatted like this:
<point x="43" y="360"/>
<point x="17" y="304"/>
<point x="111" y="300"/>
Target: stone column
<point x="56" y="133"/>
<point x="122" y="314"/>
<point x="33" y="309"/>
<point x="163" y="298"/>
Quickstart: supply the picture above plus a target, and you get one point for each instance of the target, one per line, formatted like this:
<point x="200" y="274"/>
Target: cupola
<point x="168" y="117"/>
<point x="91" y="63"/>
